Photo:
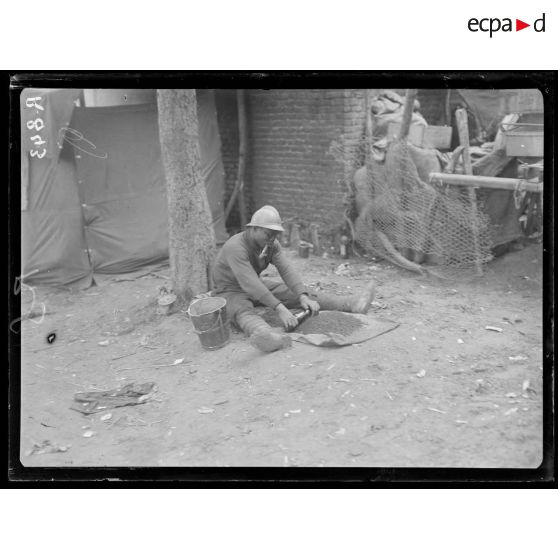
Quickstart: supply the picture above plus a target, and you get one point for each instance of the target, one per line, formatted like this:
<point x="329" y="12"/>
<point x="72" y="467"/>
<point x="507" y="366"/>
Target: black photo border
<point x="359" y="477"/>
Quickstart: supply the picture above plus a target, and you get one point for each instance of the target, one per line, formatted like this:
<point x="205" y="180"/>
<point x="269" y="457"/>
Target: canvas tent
<point x="94" y="193"/>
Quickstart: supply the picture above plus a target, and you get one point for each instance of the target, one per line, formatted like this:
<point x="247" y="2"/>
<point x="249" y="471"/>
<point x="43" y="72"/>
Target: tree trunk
<point x="191" y="235"/>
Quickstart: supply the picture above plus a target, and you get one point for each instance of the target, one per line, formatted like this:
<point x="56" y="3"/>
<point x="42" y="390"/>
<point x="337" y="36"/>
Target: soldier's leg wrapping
<point x="358" y="304"/>
<point x="240" y="310"/>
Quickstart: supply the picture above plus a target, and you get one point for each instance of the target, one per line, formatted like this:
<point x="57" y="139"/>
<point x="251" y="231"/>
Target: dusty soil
<point x="439" y="391"/>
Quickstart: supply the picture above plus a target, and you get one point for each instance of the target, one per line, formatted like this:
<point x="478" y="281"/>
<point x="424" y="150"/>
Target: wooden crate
<point x="524" y="142"/>
<point x="437" y="137"/>
<point x="416" y="133"/>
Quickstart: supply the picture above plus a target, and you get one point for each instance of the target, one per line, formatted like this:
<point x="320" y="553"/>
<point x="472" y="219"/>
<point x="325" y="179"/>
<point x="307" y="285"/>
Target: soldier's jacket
<point x="237" y="268"/>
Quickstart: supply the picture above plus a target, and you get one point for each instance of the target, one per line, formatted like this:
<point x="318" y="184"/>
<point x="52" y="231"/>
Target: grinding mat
<point x="371" y="327"/>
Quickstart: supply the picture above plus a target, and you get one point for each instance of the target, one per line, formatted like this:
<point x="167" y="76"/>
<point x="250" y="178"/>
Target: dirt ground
<point x="439" y="391"/>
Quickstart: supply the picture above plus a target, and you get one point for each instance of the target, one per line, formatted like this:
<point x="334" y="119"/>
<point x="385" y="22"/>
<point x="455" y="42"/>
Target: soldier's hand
<point x="287" y="317"/>
<point x="309" y="304"/>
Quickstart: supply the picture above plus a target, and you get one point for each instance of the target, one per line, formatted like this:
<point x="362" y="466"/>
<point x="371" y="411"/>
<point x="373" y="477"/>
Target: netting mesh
<point x="420" y="226"/>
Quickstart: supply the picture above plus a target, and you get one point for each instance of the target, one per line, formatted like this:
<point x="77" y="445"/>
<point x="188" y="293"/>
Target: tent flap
<point x="52" y="240"/>
<point x="121" y="186"/>
<point x="97" y="202"/>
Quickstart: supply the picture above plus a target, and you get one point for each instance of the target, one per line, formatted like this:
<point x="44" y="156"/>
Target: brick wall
<point x="303" y="148"/>
<point x="289" y="163"/>
<point x="295" y="141"/>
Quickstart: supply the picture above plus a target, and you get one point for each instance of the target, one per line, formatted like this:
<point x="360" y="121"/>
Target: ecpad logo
<point x="494" y="24"/>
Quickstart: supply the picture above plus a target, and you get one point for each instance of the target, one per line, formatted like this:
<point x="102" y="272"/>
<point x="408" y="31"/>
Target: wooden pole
<point x="490" y="182"/>
<point x="315" y="238"/>
<point x="368" y="139"/>
<point x="295" y="236"/>
<point x="407" y="114"/>
<point x="241" y="101"/>
<point x="473" y="111"/>
<point x="404" y="128"/>
<point x="447" y="108"/>
<point x="463" y="131"/>
<point x="238" y="190"/>
<point x="367" y="122"/>
<point x="232" y="199"/>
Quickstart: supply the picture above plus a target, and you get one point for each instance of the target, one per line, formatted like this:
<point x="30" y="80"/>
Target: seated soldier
<point x="236" y="277"/>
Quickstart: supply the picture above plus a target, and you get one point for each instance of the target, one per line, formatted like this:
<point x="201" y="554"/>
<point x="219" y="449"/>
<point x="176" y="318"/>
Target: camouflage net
<point x="393" y="210"/>
<point x="423" y="227"/>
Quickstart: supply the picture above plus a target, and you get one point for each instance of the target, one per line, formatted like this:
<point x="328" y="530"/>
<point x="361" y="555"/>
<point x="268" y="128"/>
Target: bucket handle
<point x="218" y="321"/>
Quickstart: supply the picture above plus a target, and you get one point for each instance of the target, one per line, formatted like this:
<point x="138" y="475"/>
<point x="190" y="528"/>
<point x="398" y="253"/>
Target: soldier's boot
<point x="357" y="304"/>
<point x="262" y="336"/>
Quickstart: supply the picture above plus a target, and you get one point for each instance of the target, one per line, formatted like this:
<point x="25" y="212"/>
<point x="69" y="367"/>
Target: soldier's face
<point x="264" y="236"/>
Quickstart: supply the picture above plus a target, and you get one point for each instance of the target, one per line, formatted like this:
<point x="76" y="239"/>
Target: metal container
<point x="209" y="318"/>
<point x="165" y="303"/>
<point x="304" y="248"/>
<point x="522" y="142"/>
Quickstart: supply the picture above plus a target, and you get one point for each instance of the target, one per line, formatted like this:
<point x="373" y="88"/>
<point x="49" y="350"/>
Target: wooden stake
<point x="241" y="154"/>
<point x="295" y="236"/>
<point x="368" y="139"/>
<point x="232" y="199"/>
<point x="238" y="191"/>
<point x="448" y="108"/>
<point x="402" y="136"/>
<point x="463" y="130"/>
<point x="473" y="111"/>
<point x="315" y="239"/>
<point x="407" y="114"/>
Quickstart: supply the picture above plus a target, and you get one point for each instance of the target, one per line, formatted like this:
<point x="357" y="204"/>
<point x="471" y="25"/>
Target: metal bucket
<point x="304" y="249"/>
<point x="209" y="318"/>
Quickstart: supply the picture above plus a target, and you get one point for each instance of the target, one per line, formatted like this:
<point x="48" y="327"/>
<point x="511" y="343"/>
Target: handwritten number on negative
<point x="37" y="140"/>
<point x="40" y="155"/>
<point x="37" y="124"/>
<point x="33" y="102"/>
